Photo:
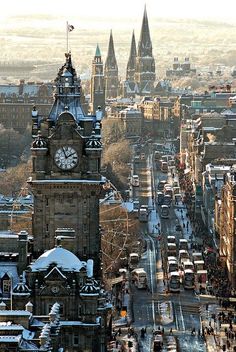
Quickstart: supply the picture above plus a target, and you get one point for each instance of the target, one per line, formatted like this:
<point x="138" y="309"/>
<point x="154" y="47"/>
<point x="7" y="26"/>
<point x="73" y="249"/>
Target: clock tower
<point x="97" y="83"/>
<point x="66" y="180"/>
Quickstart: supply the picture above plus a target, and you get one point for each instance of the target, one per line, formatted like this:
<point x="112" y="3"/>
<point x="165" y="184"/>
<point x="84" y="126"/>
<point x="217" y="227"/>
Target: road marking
<point x="181" y="315"/>
<point x="176" y="318"/>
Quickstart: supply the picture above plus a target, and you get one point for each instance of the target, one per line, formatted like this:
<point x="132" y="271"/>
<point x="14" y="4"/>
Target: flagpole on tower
<point x="67" y="37"/>
<point x="69" y="28"/>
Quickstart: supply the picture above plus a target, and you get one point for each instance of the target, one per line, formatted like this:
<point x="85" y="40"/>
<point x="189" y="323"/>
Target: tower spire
<point x="111" y="58"/>
<point x="145" y="44"/>
<point x="111" y="71"/>
<point x="130" y="71"/>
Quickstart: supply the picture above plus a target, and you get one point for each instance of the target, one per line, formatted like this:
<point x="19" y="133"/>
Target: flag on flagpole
<point x="70" y="27"/>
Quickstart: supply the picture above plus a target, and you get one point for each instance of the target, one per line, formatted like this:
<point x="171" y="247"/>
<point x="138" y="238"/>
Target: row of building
<point x="208" y="154"/>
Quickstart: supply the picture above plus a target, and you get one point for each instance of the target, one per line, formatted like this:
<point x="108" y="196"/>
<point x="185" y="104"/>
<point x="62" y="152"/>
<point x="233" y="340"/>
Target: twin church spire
<point x="140" y="71"/>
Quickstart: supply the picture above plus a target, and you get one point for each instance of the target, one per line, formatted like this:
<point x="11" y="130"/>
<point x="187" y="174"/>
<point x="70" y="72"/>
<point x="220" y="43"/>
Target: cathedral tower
<point x="145" y="64"/>
<point x="111" y="72"/>
<point x="97" y="83"/>
<point x="66" y="180"/>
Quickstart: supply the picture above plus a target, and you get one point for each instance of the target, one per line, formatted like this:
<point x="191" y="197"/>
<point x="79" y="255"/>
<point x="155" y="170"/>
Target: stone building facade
<point x="228" y="225"/>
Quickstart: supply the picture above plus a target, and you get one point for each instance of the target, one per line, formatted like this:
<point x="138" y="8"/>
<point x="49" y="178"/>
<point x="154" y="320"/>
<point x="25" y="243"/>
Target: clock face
<point x="66" y="158"/>
<point x="55" y="289"/>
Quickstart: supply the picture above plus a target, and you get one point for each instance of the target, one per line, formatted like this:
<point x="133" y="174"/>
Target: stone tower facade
<point x="111" y="72"/>
<point x="145" y="63"/>
<point x="97" y="83"/>
<point x="66" y="180"/>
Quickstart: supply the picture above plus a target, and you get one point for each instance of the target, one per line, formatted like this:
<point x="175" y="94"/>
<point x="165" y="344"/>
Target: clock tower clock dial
<point x="66" y="158"/>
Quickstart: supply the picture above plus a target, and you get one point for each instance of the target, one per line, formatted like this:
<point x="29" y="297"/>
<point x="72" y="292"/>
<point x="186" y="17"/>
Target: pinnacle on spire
<point x="145" y="44"/>
<point x="98" y="52"/>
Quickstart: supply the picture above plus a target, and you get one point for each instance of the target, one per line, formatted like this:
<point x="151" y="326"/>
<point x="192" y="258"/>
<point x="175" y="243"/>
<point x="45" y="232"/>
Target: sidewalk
<point x="218" y="338"/>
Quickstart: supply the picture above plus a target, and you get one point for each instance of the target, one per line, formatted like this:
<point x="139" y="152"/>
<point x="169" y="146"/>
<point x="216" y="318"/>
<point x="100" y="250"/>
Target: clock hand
<point x="71" y="154"/>
<point x="64" y="152"/>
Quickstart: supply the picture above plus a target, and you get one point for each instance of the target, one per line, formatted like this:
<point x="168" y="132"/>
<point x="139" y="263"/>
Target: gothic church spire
<point x="130" y="71"/>
<point x="145" y="44"/>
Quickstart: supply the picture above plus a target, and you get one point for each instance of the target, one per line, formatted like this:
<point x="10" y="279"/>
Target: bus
<point x="183" y="256"/>
<point x="133" y="260"/>
<point x="188" y="265"/>
<point x="161" y="185"/>
<point x="165" y="212"/>
<point x="201" y="279"/>
<point x="139" y="278"/>
<point x="160" y="198"/>
<point x="197" y="256"/>
<point x="172" y="265"/>
<point x="174" y="281"/>
<point x="164" y="166"/>
<point x="143" y="214"/>
<point x="188" y="281"/>
<point x="135" y="181"/>
<point x="183" y="244"/>
<point x="199" y="265"/>
<point x="171" y="249"/>
<point x="167" y="200"/>
<point x="157" y="345"/>
<point x="171" y="239"/>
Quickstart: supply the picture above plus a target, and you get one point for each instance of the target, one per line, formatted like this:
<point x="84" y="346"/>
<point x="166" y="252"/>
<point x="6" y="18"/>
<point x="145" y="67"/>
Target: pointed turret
<point x="97" y="88"/>
<point x="111" y="71"/>
<point x="130" y="71"/>
<point x="145" y="64"/>
<point x="98" y="52"/>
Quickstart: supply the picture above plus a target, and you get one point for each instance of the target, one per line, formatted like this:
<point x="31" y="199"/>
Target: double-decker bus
<point x="174" y="281"/>
<point x="171" y="249"/>
<point x="160" y="198"/>
<point x="164" y="166"/>
<point x="139" y="277"/>
<point x="143" y="214"/>
<point x="165" y="212"/>
<point x="133" y="260"/>
<point x="172" y="265"/>
<point x="189" y="278"/>
<point x="135" y="181"/>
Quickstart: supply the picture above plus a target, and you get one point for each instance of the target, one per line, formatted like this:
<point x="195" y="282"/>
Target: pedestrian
<point x="119" y="331"/>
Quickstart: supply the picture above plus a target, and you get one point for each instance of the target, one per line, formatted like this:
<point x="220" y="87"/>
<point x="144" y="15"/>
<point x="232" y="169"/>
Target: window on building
<point x="6" y="286"/>
<point x="76" y="340"/>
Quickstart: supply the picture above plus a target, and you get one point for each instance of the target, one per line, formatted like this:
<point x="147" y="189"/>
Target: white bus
<point x="183" y="244"/>
<point x="199" y="265"/>
<point x="135" y="181"/>
<point x="139" y="278"/>
<point x="197" y="256"/>
<point x="189" y="279"/>
<point x="133" y="260"/>
<point x="188" y="265"/>
<point x="183" y="256"/>
<point x="165" y="212"/>
<point x="172" y="265"/>
<point x="143" y="214"/>
<point x="171" y="239"/>
<point x="174" y="281"/>
<point x="171" y="249"/>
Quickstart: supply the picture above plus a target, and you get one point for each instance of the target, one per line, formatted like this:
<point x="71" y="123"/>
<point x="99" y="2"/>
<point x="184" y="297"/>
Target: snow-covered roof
<point x="61" y="257"/>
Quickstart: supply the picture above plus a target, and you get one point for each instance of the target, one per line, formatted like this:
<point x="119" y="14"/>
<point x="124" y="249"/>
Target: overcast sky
<point x="207" y="9"/>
